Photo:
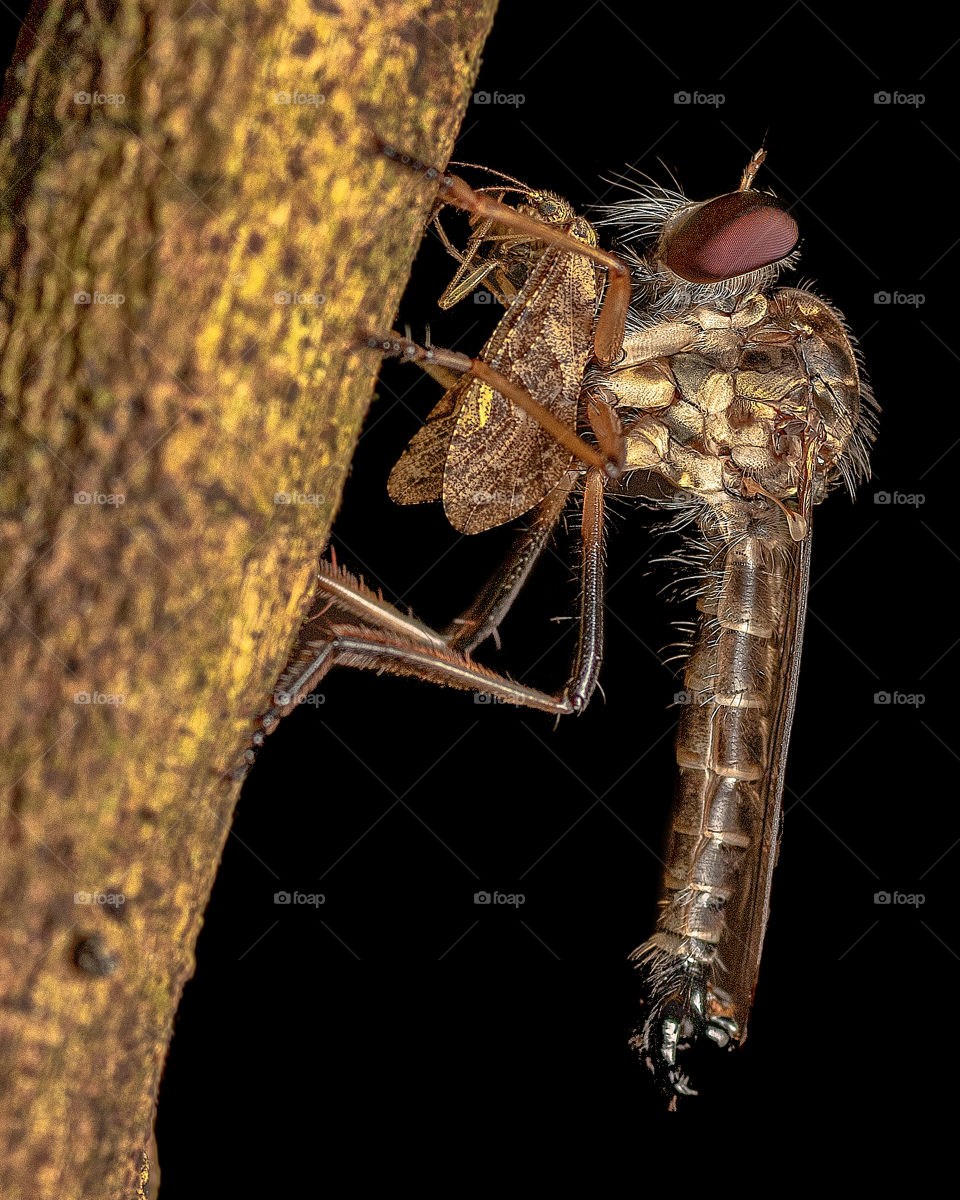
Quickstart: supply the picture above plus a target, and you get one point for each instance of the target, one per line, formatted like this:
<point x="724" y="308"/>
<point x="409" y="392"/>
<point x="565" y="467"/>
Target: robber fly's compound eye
<point x="729" y="236"/>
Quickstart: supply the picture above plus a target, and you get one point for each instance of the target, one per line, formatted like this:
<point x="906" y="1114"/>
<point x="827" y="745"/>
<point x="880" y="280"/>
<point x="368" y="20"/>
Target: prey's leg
<point x="482" y="619"/>
<point x="608" y="338"/>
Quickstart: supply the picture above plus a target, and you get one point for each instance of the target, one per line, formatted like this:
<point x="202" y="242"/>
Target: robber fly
<point x="735" y="405"/>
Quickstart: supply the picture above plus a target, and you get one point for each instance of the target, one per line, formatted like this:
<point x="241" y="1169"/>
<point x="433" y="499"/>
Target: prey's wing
<point x="748" y="912"/>
<point x="417" y="476"/>
<point x="500" y="461"/>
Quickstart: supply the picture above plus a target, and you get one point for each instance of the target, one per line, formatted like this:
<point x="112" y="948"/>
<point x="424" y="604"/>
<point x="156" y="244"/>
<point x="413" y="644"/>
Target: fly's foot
<point x="689" y="1009"/>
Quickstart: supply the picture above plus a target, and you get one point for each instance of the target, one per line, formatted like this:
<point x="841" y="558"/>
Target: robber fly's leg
<point x="344" y="596"/>
<point x="368" y="648"/>
<point x="482" y="619"/>
<point x="399" y="347"/>
<point x="402" y="645"/>
<point x="608" y="338"/>
<point x="683" y="1007"/>
<point x="380" y="637"/>
<point x="354" y="626"/>
<point x="589" y="657"/>
<point x="360" y="646"/>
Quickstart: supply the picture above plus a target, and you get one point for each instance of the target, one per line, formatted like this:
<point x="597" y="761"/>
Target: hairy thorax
<point x="758" y="400"/>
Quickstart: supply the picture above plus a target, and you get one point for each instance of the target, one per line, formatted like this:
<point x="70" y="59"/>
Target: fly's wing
<point x="747" y="915"/>
<point x="501" y="462"/>
<point x="417" y="476"/>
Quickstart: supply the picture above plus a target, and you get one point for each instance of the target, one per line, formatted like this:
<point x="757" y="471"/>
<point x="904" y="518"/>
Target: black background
<point x="398" y="801"/>
<point x="400" y="998"/>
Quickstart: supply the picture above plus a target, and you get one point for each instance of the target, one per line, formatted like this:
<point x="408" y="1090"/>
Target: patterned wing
<point x="500" y="462"/>
<point x="417" y="476"/>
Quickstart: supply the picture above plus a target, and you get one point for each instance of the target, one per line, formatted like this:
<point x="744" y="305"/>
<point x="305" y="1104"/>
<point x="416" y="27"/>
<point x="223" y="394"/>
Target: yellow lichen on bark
<point x="194" y="228"/>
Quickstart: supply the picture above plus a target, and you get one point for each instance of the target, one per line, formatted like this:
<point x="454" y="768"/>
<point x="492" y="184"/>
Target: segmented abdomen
<point x="732" y="689"/>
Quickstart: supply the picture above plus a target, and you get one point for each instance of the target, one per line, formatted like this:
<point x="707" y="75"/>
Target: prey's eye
<point x="729" y="236"/>
<point x="549" y="208"/>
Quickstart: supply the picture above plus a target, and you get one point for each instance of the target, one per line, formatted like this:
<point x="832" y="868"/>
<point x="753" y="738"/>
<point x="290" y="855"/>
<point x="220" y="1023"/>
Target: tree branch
<point x="192" y="230"/>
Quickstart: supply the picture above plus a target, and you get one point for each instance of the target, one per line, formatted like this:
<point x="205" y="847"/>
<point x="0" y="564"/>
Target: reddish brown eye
<point x="732" y="235"/>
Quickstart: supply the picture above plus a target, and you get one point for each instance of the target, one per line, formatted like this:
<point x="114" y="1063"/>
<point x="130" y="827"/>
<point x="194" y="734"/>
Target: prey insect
<point x="735" y="406"/>
<point x="496" y="256"/>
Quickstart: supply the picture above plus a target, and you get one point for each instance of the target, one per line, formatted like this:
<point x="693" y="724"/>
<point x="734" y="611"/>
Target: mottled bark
<point x="192" y="229"/>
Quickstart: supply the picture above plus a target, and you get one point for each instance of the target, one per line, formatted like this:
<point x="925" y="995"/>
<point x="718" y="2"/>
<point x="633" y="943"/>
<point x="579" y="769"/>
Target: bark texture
<point x="192" y="230"/>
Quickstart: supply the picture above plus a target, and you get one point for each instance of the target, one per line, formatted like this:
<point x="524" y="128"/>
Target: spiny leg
<point x="342" y="594"/>
<point x="390" y="641"/>
<point x="592" y="572"/>
<point x="482" y="618"/>
<point x="367" y="648"/>
<point x="396" y="643"/>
